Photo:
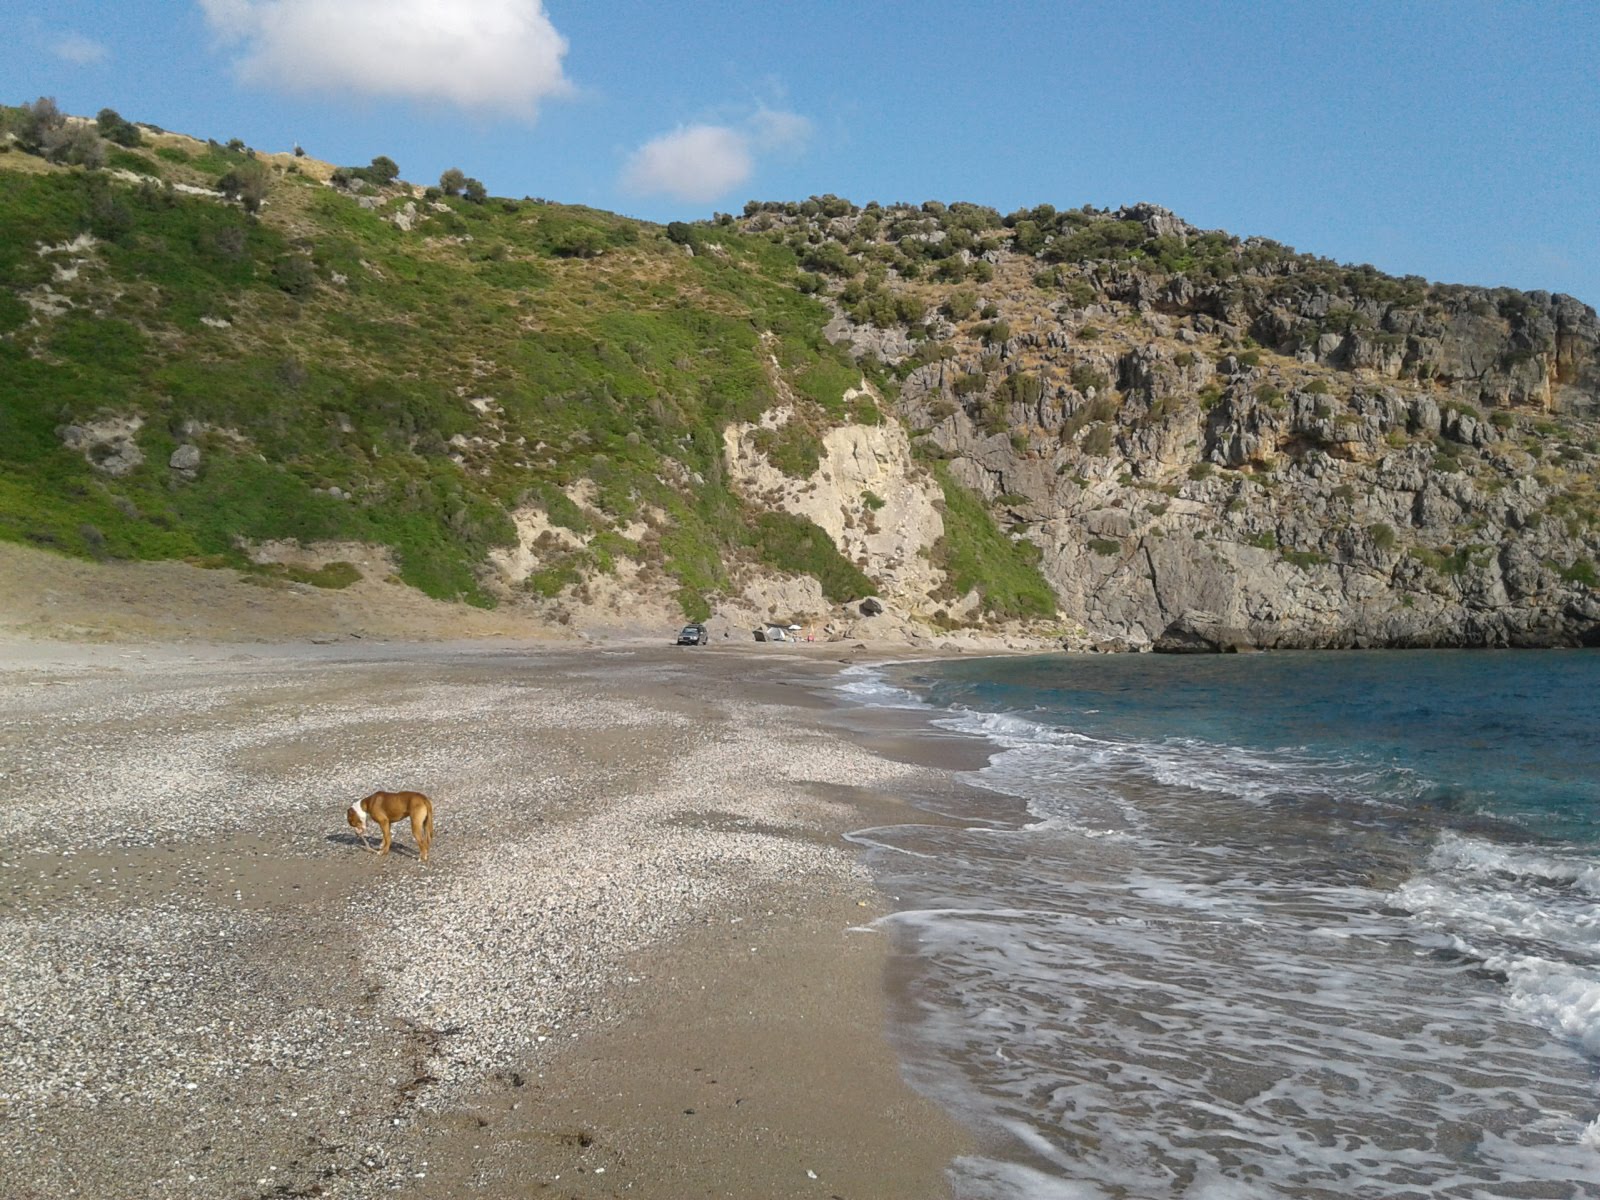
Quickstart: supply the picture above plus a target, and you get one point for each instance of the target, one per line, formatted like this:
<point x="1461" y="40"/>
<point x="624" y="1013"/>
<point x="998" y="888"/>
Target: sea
<point x="1270" y="925"/>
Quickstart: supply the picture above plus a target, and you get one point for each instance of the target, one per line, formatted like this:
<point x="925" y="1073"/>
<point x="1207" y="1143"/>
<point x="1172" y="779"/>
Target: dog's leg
<point x="422" y="828"/>
<point x="384" y="825"/>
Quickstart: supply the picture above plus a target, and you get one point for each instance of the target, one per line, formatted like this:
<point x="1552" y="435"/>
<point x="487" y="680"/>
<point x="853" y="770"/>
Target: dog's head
<point x="356" y="818"/>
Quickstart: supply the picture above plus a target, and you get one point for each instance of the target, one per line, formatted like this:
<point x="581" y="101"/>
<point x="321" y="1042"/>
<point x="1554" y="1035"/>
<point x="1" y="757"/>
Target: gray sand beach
<point x="636" y="964"/>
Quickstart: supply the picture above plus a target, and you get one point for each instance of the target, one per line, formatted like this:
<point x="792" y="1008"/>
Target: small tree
<point x="114" y="128"/>
<point x="452" y="181"/>
<point x="78" y="145"/>
<point x="579" y="241"/>
<point x="383" y="170"/>
<point x="959" y="305"/>
<point x="295" y="274"/>
<point x="246" y="183"/>
<point x="475" y="191"/>
<point x="37" y="122"/>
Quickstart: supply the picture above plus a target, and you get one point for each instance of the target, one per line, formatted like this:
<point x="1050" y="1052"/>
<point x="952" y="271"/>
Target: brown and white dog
<point x="384" y="808"/>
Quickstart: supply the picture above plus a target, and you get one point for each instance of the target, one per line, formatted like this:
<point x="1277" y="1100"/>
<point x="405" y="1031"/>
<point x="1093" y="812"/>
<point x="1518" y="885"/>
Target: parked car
<point x="693" y="635"/>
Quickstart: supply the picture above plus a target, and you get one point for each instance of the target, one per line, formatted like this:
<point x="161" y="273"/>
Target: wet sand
<point x="637" y="963"/>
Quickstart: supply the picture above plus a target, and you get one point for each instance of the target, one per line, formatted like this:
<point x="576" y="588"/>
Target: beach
<point x="638" y="962"/>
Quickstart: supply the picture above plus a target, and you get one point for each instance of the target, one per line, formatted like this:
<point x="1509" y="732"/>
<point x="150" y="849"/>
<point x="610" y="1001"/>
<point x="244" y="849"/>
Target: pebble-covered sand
<point x="211" y="989"/>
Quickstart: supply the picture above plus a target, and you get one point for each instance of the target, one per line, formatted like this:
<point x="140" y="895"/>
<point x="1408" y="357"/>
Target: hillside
<point x="1077" y="423"/>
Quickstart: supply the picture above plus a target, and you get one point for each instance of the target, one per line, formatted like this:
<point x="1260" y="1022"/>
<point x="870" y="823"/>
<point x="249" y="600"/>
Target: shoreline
<point x="641" y="851"/>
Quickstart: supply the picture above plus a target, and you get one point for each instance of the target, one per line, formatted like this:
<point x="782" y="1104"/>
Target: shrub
<point x="38" y="121"/>
<point x="1021" y="388"/>
<point x="1448" y="563"/>
<point x="246" y="183"/>
<point x="329" y="575"/>
<point x="1201" y="470"/>
<point x="452" y="181"/>
<point x="578" y="241"/>
<point x="995" y="333"/>
<point x="969" y="382"/>
<point x="474" y="191"/>
<point x="1269" y="395"/>
<point x="793" y="543"/>
<point x="113" y="128"/>
<point x="1085" y="377"/>
<point x="295" y="274"/>
<point x="1305" y="559"/>
<point x="792" y="448"/>
<point x="79" y="146"/>
<point x="1097" y="441"/>
<point x="959" y="304"/>
<point x="1105" y="547"/>
<point x="1581" y="571"/>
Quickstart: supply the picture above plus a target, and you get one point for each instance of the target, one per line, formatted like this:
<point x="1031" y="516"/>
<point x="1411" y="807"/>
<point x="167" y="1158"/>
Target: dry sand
<point x="49" y="596"/>
<point x="635" y="965"/>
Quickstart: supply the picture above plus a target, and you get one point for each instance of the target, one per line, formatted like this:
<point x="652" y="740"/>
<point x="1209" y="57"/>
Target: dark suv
<point x="693" y="635"/>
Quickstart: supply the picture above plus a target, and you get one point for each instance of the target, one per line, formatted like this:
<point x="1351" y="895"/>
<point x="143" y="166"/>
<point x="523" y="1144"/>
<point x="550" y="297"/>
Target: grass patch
<point x="796" y="545"/>
<point x="977" y="556"/>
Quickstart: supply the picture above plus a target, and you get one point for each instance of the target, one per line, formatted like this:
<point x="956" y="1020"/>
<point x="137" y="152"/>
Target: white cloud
<point x="80" y="51"/>
<point x="501" y="55"/>
<point x="699" y="163"/>
<point x="773" y="130"/>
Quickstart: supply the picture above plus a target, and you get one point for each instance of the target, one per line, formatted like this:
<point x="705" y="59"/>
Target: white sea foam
<point x="865" y="685"/>
<point x="1184" y="981"/>
<point x="1255" y="776"/>
<point x="978" y="1178"/>
<point x="1527" y="916"/>
<point x="1477" y="857"/>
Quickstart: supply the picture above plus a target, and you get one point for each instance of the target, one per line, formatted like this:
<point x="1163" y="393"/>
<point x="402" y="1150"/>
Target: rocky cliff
<point x="1314" y="455"/>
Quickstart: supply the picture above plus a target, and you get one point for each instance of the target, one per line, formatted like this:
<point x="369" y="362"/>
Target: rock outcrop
<point x="869" y="495"/>
<point x="1197" y="632"/>
<point x="1314" y="455"/>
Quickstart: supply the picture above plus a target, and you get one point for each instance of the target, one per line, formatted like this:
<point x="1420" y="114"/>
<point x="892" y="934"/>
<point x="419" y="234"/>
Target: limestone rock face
<point x="868" y="494"/>
<point x="1293" y="457"/>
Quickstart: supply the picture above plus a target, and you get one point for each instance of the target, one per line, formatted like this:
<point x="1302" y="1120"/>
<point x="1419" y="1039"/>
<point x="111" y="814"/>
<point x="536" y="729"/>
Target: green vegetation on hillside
<point x="978" y="557"/>
<point x="345" y="378"/>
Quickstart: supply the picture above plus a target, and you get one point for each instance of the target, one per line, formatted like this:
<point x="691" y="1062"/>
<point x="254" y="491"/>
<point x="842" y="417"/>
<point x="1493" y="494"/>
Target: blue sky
<point x="1460" y="141"/>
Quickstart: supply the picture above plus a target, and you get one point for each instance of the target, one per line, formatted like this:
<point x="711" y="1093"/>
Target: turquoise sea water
<point x="1269" y="925"/>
